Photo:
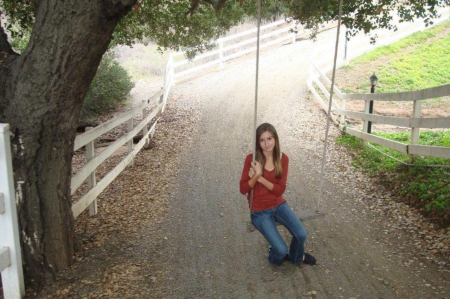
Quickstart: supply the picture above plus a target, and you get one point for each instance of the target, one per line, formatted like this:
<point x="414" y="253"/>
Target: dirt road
<point x="207" y="251"/>
<point x="173" y="225"/>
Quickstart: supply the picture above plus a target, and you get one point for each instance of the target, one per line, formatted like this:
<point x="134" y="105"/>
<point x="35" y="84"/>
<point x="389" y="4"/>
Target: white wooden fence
<point x="87" y="139"/>
<point x="232" y="47"/>
<point x="10" y="254"/>
<point x="320" y="86"/>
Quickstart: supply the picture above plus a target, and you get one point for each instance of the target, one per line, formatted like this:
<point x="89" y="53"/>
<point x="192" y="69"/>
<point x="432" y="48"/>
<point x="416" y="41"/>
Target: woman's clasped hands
<point x="255" y="168"/>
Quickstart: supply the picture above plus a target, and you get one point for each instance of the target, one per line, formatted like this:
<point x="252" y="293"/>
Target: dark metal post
<point x="369" y="125"/>
<point x="373" y="82"/>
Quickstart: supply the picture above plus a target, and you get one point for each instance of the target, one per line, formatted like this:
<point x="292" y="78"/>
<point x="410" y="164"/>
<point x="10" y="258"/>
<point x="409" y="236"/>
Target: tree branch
<point x="7" y="55"/>
<point x="217" y="5"/>
<point x="119" y="8"/>
<point x="5" y="46"/>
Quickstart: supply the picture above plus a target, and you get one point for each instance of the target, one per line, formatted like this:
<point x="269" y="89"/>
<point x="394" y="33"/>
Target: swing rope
<point x="256" y="98"/>
<point x="325" y="146"/>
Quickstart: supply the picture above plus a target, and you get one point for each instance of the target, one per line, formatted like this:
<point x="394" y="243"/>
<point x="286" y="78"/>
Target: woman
<point x="267" y="177"/>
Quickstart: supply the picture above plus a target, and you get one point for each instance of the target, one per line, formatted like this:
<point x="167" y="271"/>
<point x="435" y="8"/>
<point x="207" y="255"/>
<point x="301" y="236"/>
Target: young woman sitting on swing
<point x="267" y="176"/>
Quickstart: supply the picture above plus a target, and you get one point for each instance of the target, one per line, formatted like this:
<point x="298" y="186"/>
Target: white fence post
<point x="10" y="254"/>
<point x="130" y="143"/>
<point x="145" y="129"/>
<point x="342" y="115"/>
<point x="169" y="81"/>
<point x="90" y="154"/>
<point x="417" y="113"/>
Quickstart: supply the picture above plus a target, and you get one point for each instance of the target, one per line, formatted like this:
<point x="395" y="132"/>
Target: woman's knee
<point x="301" y="236"/>
<point x="278" y="250"/>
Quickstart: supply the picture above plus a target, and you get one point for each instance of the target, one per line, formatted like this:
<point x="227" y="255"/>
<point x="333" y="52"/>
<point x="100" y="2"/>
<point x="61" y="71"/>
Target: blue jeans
<point x="264" y="222"/>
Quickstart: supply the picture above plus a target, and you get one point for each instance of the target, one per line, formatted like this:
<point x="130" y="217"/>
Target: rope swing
<point x="303" y="214"/>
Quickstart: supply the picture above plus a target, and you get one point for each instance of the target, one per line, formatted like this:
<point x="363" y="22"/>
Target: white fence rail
<point x="157" y="102"/>
<point x="10" y="254"/>
<point x="321" y="93"/>
<point x="231" y="47"/>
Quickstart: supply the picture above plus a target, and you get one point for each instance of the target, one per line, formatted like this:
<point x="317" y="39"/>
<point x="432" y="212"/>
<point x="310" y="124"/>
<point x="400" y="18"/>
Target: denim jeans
<point x="264" y="221"/>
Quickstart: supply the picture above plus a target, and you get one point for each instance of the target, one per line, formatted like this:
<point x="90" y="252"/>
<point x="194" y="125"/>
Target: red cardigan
<point x="263" y="198"/>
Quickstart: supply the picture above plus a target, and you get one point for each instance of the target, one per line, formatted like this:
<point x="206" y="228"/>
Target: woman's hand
<point x="255" y="169"/>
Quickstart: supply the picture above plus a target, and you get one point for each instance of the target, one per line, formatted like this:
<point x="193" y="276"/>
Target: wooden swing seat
<point x="303" y="215"/>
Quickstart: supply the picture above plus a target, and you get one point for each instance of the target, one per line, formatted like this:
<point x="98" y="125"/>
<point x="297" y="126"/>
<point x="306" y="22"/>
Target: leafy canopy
<point x="192" y="24"/>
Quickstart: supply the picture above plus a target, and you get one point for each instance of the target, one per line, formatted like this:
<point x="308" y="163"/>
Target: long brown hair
<point x="266" y="127"/>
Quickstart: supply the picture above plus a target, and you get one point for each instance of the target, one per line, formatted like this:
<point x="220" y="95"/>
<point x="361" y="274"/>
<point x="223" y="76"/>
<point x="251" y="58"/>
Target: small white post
<point x="166" y="71"/>
<point x="342" y="116"/>
<point x="163" y="99"/>
<point x="169" y="79"/>
<point x="417" y="113"/>
<point x="2" y="203"/>
<point x="12" y="276"/>
<point x="90" y="154"/>
<point x="145" y="129"/>
<point x="221" y="54"/>
<point x="130" y="142"/>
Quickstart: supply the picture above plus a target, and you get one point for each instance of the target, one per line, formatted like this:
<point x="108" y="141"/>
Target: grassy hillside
<point x="416" y="62"/>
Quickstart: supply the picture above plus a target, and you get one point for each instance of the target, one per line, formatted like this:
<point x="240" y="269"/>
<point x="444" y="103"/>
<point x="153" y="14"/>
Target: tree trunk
<point x="41" y="94"/>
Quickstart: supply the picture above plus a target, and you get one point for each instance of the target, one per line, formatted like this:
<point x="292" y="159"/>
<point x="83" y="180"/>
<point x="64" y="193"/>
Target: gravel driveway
<point x="173" y="225"/>
<point x="207" y="251"/>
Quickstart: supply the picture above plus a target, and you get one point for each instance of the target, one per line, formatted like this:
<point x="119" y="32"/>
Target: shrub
<point x="108" y="90"/>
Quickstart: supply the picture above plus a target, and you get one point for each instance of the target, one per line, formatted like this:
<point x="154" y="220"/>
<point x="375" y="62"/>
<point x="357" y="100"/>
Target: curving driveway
<point x="207" y="251"/>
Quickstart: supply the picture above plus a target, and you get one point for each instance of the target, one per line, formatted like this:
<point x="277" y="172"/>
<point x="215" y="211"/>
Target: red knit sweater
<point x="263" y="198"/>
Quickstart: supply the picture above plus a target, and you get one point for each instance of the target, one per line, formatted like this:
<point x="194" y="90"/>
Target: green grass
<point x="420" y="183"/>
<point x="413" y="62"/>
<point x="416" y="62"/>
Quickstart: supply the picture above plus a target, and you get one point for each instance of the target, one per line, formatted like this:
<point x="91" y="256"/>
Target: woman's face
<point x="267" y="142"/>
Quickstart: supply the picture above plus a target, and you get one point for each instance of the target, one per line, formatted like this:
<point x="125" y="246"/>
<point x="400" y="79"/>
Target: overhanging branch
<point x="217" y="5"/>
<point x="5" y="47"/>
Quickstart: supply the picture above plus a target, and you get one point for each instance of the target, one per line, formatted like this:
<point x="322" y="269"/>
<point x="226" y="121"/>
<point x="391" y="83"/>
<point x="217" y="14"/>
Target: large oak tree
<point x="42" y="88"/>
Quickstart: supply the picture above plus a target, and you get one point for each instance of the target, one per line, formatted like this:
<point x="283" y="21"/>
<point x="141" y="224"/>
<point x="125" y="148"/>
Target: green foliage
<point x="19" y="15"/>
<point x="20" y="43"/>
<point x="420" y="184"/>
<point x="109" y="88"/>
<point x="435" y="138"/>
<point x="170" y="25"/>
<point x="176" y="25"/>
<point x="422" y="64"/>
<point x="428" y="188"/>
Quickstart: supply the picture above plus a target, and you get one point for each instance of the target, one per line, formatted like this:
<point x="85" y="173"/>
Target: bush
<point x="108" y="90"/>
